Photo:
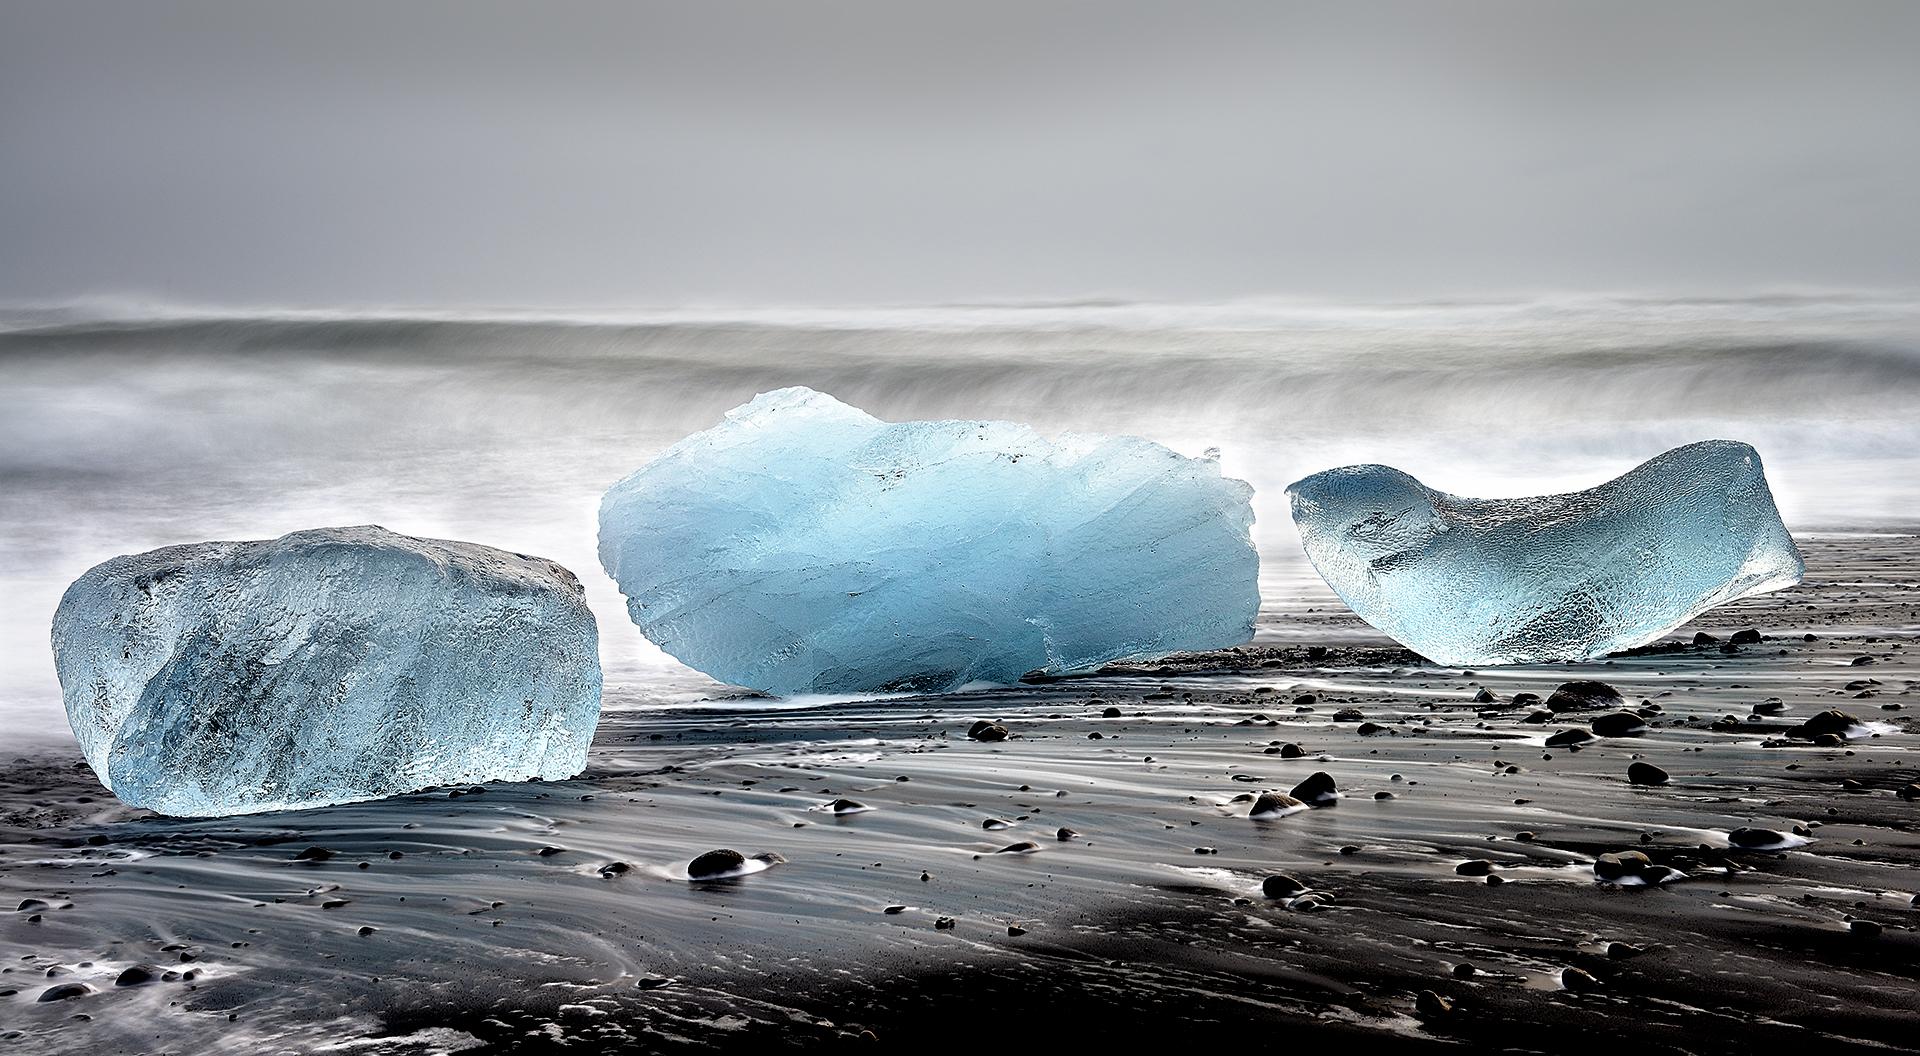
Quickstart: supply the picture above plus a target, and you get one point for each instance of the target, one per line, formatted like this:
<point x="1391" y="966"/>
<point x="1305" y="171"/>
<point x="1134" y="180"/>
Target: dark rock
<point x="1292" y="751"/>
<point x="1317" y="790"/>
<point x="366" y="930"/>
<point x="995" y="824"/>
<point x="1866" y="929"/>
<point x="1015" y="931"/>
<point x="1429" y="1005"/>
<point x="894" y="911"/>
<point x="1110" y="713"/>
<point x="847" y="806"/>
<point x="1023" y="847"/>
<point x="65" y="992"/>
<point x="1474" y="867"/>
<point x="1372" y="729"/>
<point x="1349" y="715"/>
<point x="313" y="854"/>
<point x="1584" y="695"/>
<point x="1750" y="636"/>
<point x="943" y="924"/>
<point x="987" y="731"/>
<point x="1280" y="885"/>
<point x="32" y="905"/>
<point x="612" y="869"/>
<point x="1065" y="834"/>
<point x="1619" y="865"/>
<point x="137" y="975"/>
<point x="1578" y="980"/>
<point x="1620" y="951"/>
<point x="1619" y="724"/>
<point x="1755" y="839"/>
<point x="1567" y="737"/>
<point x="715" y="863"/>
<point x="1525" y="700"/>
<point x="1831" y="721"/>
<point x="1703" y="638"/>
<point x="1305" y="700"/>
<point x="1909" y="792"/>
<point x="1485" y="696"/>
<point x="1646" y="774"/>
<point x="1464" y="970"/>
<point x="1273" y="804"/>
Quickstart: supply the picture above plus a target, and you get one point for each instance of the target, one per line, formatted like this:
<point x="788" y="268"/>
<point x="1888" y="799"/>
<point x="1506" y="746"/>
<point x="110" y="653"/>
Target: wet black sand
<point x="1148" y="928"/>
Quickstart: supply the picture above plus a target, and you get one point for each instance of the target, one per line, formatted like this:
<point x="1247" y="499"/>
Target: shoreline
<point x="1149" y="926"/>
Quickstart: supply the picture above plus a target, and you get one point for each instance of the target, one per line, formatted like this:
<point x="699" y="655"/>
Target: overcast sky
<point x="620" y="153"/>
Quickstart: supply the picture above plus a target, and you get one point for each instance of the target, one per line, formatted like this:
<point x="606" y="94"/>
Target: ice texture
<point x="325" y="666"/>
<point x="1558" y="577"/>
<point x="804" y="546"/>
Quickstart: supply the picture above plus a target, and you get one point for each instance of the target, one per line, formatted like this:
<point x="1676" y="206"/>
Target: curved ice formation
<point x="804" y="546"/>
<point x="326" y="666"/>
<point x="1558" y="577"/>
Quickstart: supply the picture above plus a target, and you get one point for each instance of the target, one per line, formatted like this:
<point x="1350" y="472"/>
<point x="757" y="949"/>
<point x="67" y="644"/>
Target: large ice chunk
<point x="1559" y="577"/>
<point x="326" y="666"/>
<point x="802" y="545"/>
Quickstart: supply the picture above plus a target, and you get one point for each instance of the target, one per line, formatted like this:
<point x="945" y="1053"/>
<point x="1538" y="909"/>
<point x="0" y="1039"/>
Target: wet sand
<point x="559" y="916"/>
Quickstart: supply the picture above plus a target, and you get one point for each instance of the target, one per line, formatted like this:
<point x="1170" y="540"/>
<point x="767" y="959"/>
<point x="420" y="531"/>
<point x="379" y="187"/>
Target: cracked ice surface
<point x="1558" y="577"/>
<point x="802" y="545"/>
<point x="326" y="666"/>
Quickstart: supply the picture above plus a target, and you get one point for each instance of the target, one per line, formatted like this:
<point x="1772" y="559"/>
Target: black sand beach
<point x="1459" y="861"/>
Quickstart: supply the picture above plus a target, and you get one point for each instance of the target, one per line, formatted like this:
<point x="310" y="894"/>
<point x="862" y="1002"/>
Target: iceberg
<point x="1556" y="578"/>
<point x="804" y="546"/>
<point x="326" y="666"/>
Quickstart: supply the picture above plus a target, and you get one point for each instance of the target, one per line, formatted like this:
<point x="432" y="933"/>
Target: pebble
<point x="1280" y="885"/>
<point x="1646" y="774"/>
<point x="1429" y="1005"/>
<point x="1619" y="724"/>
<point x="1579" y="980"/>
<point x="715" y="863"/>
<point x="1584" y="695"/>
<point x="1317" y="790"/>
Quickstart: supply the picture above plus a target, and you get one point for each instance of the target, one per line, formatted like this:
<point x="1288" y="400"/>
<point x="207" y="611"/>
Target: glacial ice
<point x="803" y="546"/>
<point x="1554" y="578"/>
<point x="326" y="666"/>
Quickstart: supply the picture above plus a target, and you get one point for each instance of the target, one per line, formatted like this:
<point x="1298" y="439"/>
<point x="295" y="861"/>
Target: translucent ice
<point x="802" y="545"/>
<point x="325" y="666"/>
<point x="1559" y="577"/>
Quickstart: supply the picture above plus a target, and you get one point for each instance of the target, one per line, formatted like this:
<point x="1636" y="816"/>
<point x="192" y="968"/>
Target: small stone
<point x="1620" y="864"/>
<point x="1349" y="715"/>
<point x="1584" y="695"/>
<point x="1429" y="1005"/>
<point x="1372" y="729"/>
<point x="313" y="854"/>
<point x="1578" y="980"/>
<point x="1292" y="751"/>
<point x="1274" y="805"/>
<point x="1750" y="636"/>
<point x="716" y="863"/>
<point x="1317" y="790"/>
<point x="1065" y="834"/>
<point x="1474" y="867"/>
<point x="1015" y="931"/>
<point x="1619" y="724"/>
<point x="1565" y="738"/>
<point x="65" y="992"/>
<point x="1023" y="847"/>
<point x="1485" y="696"/>
<point x="847" y="806"/>
<point x="137" y="975"/>
<point x="943" y="924"/>
<point x="1646" y="774"/>
<point x="1280" y="885"/>
<point x="987" y="731"/>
